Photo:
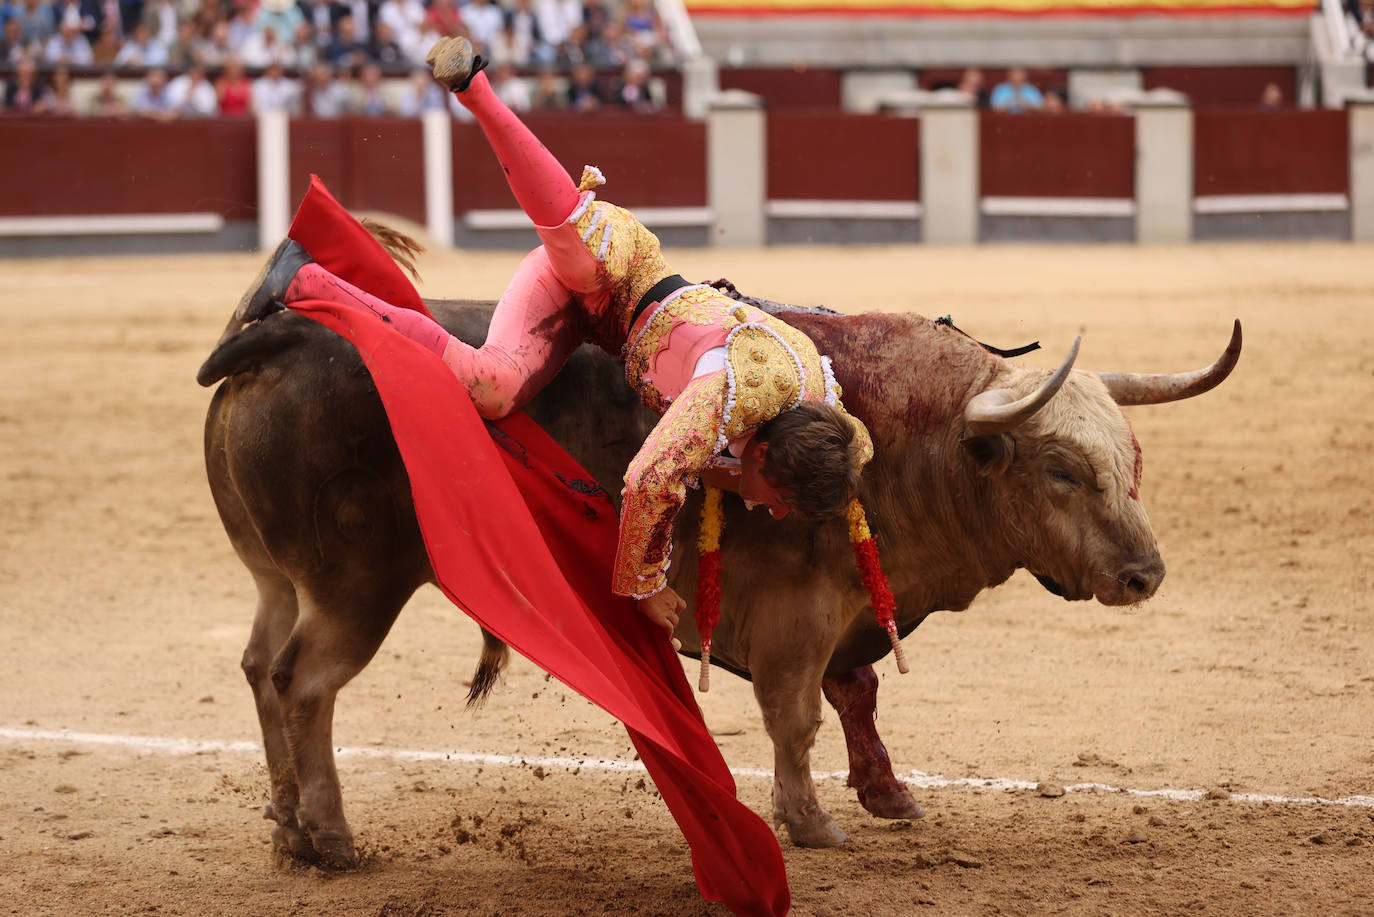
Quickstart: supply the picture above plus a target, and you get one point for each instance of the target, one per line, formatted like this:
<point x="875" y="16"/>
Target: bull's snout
<point x="1140" y="580"/>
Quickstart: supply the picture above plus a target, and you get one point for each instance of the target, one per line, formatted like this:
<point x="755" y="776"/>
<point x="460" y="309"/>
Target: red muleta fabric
<point x="522" y="540"/>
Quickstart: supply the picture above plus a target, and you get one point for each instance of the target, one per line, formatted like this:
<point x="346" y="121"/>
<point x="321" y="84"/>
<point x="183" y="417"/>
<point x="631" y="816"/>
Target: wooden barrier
<point x="1210" y="87"/>
<point x="838" y="157"/>
<point x="1289" y="151"/>
<point x="1063" y="155"/>
<point x="368" y="163"/>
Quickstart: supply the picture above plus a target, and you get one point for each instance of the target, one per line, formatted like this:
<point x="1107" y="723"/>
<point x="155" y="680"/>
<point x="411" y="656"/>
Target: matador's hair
<point x="812" y="458"/>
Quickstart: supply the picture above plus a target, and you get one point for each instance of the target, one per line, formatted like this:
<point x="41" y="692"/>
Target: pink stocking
<point x="541" y="186"/>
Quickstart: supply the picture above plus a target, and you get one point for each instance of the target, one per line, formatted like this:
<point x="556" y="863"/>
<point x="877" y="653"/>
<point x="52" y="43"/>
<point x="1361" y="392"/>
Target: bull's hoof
<point x="294" y="843"/>
<point x="334" y="848"/>
<point x="817" y="832"/>
<point x="891" y="802"/>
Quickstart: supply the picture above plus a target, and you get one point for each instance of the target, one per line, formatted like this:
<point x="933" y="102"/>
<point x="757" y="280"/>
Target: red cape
<point x="522" y="540"/>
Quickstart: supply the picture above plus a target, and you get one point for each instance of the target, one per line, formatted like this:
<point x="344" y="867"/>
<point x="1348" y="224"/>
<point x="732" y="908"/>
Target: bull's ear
<point x="992" y="453"/>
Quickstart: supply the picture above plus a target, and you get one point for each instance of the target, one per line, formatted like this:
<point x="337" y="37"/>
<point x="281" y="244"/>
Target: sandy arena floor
<point x="123" y="614"/>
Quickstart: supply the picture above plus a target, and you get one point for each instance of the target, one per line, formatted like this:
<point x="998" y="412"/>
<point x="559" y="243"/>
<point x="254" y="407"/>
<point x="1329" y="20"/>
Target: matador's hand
<point x="663" y="608"/>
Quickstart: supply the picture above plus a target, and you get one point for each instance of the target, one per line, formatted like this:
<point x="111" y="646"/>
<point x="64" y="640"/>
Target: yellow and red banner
<point x="1002" y="7"/>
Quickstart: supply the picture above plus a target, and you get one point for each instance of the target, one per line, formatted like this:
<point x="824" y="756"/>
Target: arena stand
<point x="844" y="141"/>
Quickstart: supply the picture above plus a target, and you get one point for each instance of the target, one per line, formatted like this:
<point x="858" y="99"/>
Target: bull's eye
<point x="1063" y="478"/>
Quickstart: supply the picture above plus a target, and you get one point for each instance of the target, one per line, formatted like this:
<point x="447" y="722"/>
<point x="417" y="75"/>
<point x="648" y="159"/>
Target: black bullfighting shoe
<point x="453" y="64"/>
<point x="266" y="292"/>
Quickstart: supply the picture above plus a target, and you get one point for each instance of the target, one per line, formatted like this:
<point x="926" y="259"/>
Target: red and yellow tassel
<point x="874" y="580"/>
<point x="708" y="577"/>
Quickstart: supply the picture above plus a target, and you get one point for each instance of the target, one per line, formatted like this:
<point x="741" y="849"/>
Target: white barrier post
<point x="737" y="168"/>
<point x="438" y="134"/>
<point x="274" y="178"/>
<point x="1361" y="114"/>
<point x="949" y="172"/>
<point x="1164" y="171"/>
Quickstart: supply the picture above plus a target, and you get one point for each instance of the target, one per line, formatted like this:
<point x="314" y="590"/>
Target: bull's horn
<point x="997" y="411"/>
<point x="1150" y="388"/>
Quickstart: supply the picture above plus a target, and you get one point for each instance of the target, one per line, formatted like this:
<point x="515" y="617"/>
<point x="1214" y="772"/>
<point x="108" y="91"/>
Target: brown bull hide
<point x="314" y="498"/>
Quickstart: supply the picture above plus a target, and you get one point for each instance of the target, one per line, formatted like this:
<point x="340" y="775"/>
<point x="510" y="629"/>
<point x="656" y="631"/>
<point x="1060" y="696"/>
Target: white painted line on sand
<point x="914" y="778"/>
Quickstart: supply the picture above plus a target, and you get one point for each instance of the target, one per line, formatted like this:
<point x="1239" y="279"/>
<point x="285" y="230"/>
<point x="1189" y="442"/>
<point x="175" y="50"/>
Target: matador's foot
<point x="266" y="292"/>
<point x="453" y="63"/>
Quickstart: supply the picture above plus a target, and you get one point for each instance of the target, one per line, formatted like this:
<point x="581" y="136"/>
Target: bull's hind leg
<point x="854" y="695"/>
<point x="330" y="643"/>
<point x="272" y="624"/>
<point x="789" y="694"/>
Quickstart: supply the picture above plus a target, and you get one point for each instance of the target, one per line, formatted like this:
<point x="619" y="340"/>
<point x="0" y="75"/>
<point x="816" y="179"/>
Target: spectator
<point x="329" y="98"/>
<point x="525" y="26"/>
<point x="1016" y="94"/>
<point x="108" y="103"/>
<point x="234" y="90"/>
<point x="971" y="84"/>
<point x="611" y="49"/>
<point x="182" y="52"/>
<point x="1054" y="103"/>
<point x="444" y="20"/>
<point x="211" y="47"/>
<point x="371" y="101"/>
<point x="508" y="47"/>
<point x="346" y="50"/>
<point x="557" y="19"/>
<point x="383" y="48"/>
<point x="56" y="99"/>
<point x="547" y="94"/>
<point x="69" y="46"/>
<point x="281" y="16"/>
<point x="1272" y="97"/>
<point x="240" y="28"/>
<point x="484" y="21"/>
<point x="23" y="92"/>
<point x="274" y="92"/>
<point x="160" y="17"/>
<point x="510" y="88"/>
<point x="584" y="96"/>
<point x="151" y="100"/>
<point x="633" y="91"/>
<point x="264" y="48"/>
<point x="84" y="14"/>
<point x="362" y="13"/>
<point x="406" y="19"/>
<point x="639" y="22"/>
<point x="191" y="94"/>
<point x="141" y="50"/>
<point x="37" y="21"/>
<point x="422" y="95"/>
<point x="12" y="45"/>
<point x="105" y="49"/>
<point x="321" y="15"/>
<point x="307" y="49"/>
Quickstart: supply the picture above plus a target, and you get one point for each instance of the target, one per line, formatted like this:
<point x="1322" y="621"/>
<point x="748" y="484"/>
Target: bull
<point x="981" y="468"/>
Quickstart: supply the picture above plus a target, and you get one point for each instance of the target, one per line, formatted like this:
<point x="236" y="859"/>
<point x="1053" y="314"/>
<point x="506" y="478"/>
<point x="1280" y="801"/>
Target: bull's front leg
<point x="789" y="694"/>
<point x="854" y="695"/>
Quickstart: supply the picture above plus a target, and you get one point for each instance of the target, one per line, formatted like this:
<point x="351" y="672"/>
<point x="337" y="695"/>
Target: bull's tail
<point x="495" y="655"/>
<point x="401" y="247"/>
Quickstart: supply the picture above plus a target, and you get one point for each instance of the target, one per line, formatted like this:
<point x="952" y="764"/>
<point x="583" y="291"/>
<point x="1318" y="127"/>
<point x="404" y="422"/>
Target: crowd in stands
<point x="1017" y="93"/>
<point x="325" y="58"/>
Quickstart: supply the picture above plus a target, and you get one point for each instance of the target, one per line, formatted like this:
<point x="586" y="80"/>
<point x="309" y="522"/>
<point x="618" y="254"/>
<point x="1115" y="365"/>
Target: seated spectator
<point x="56" y="101"/>
<point x="633" y="91"/>
<point x="191" y="94"/>
<point x="525" y="28"/>
<point x="346" y="50"/>
<point x="384" y="49"/>
<point x="307" y="47"/>
<point x="211" y="47"/>
<point x="152" y="100"/>
<point x="640" y="23"/>
<point x="280" y="16"/>
<point x="510" y="88"/>
<point x="611" y="49"/>
<point x="556" y="20"/>
<point x="971" y="84"/>
<point x="274" y="92"/>
<point x="108" y="102"/>
<point x="264" y="48"/>
<point x="508" y="47"/>
<point x="1054" y="103"/>
<point x="321" y="16"/>
<point x="1016" y="94"/>
<point x="84" y="14"/>
<point x="160" y="17"/>
<point x="484" y="20"/>
<point x="23" y="91"/>
<point x="69" y="46"/>
<point x="361" y="11"/>
<point x="105" y="49"/>
<point x="422" y="95"/>
<point x="12" y="44"/>
<point x="547" y="94"/>
<point x="584" y="95"/>
<point x="1272" y="97"/>
<point x="234" y="90"/>
<point x="444" y="20"/>
<point x="182" y="52"/>
<point x="329" y="98"/>
<point x="36" y="22"/>
<point x="141" y="50"/>
<point x="406" y="19"/>
<point x="371" y="101"/>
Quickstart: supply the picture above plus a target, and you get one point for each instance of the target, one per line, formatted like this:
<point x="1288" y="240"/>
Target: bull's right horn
<point x="1148" y="388"/>
<point x="997" y="411"/>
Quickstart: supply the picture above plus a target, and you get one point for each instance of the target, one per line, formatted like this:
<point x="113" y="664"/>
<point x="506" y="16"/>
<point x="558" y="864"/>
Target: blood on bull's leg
<point x="854" y="695"/>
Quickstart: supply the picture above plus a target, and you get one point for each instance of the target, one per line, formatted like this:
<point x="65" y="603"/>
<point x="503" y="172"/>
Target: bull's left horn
<point x="996" y="411"/>
<point x="1150" y="388"/>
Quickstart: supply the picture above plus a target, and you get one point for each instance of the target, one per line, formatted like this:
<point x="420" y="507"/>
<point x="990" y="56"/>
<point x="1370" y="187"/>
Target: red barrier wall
<point x="836" y="157"/>
<point x="657" y="161"/>
<point x="1271" y="152"/>
<point x="91" y="167"/>
<point x="1222" y="86"/>
<point x="1064" y="155"/>
<point x="801" y="87"/>
<point x="368" y="163"/>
